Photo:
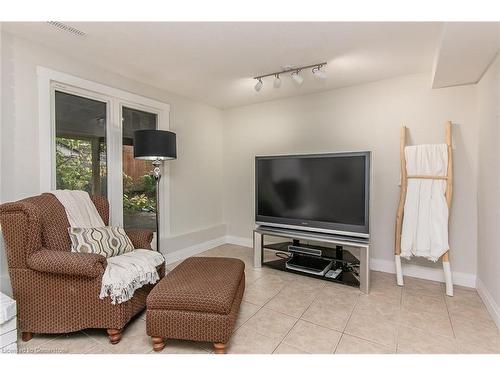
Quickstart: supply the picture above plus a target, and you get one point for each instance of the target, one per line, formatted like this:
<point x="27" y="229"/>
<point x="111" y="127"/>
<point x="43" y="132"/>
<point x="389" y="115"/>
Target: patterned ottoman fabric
<point x="199" y="300"/>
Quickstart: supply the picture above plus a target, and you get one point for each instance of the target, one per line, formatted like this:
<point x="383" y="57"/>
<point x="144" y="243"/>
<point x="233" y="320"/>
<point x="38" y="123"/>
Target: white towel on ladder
<point x="425" y="220"/>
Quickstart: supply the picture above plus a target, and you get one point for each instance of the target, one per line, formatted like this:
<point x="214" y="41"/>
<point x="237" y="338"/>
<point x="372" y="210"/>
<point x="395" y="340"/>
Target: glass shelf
<point x="342" y="259"/>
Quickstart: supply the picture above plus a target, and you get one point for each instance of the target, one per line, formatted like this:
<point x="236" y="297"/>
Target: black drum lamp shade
<point x="155" y="145"/>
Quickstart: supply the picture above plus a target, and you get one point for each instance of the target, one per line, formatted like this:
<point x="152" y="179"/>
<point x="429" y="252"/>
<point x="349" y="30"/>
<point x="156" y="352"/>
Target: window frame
<point x="50" y="81"/>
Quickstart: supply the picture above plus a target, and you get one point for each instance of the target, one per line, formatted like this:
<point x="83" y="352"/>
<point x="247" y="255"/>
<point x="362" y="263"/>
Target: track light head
<point x="277" y="82"/>
<point x="297" y="78"/>
<point x="318" y="73"/>
<point x="258" y="85"/>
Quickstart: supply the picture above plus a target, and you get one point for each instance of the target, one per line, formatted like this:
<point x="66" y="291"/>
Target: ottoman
<point x="199" y="300"/>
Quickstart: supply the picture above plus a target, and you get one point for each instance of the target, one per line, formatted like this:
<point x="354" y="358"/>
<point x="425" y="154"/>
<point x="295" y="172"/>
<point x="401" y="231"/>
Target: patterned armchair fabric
<point x="67" y="263"/>
<point x="57" y="291"/>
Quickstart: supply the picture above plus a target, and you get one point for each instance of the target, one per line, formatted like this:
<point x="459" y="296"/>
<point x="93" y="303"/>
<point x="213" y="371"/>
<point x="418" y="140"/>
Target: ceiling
<point x="214" y="62"/>
<point x="465" y="52"/>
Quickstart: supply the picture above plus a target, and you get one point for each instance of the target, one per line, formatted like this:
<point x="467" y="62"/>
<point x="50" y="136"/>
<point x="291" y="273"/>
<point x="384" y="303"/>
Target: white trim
<point x="45" y="133"/>
<point x="47" y="75"/>
<point x="489" y="302"/>
<point x="241" y="241"/>
<point x="193" y="250"/>
<point x="114" y="162"/>
<point x="427" y="273"/>
<point x="50" y="80"/>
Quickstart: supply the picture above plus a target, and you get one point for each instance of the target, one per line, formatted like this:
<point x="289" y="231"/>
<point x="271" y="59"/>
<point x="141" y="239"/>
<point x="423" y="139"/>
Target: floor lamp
<point x="156" y="146"/>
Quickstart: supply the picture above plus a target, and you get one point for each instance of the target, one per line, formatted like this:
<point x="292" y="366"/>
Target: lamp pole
<point x="157" y="176"/>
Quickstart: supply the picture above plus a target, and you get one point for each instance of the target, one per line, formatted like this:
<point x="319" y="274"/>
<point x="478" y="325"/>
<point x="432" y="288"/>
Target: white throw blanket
<point x="125" y="273"/>
<point x="128" y="272"/>
<point x="79" y="208"/>
<point x="425" y="220"/>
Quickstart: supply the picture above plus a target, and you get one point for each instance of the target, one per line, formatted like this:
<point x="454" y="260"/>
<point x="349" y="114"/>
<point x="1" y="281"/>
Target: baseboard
<point x="383" y="265"/>
<point x="248" y="242"/>
<point x="489" y="302"/>
<point x="241" y="241"/>
<point x="194" y="250"/>
<point x="427" y="273"/>
<point x="207" y="245"/>
<point x="182" y="241"/>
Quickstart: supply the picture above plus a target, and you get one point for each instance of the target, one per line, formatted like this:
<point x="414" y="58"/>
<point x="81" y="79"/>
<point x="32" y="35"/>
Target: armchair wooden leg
<point x="158" y="343"/>
<point x="115" y="335"/>
<point x="220" y="348"/>
<point x="26" y="336"/>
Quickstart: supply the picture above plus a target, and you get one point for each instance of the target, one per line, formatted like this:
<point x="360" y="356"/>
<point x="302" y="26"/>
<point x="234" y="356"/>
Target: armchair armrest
<point x="141" y="238"/>
<point x="21" y="229"/>
<point x="67" y="263"/>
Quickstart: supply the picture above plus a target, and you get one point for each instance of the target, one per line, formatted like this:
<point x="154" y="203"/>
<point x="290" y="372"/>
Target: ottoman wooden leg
<point x="115" y="335"/>
<point x="26" y="336"/>
<point x="158" y="343"/>
<point x="220" y="348"/>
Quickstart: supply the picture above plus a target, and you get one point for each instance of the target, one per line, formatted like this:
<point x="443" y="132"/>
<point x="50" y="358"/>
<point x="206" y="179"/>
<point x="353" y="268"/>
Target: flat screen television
<point x="327" y="193"/>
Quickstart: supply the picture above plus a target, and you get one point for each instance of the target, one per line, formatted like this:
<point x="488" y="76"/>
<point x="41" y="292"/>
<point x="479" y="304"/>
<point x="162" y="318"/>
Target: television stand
<point x="349" y="253"/>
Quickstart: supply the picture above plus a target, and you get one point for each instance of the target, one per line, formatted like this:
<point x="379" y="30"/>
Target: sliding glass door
<point x="97" y="156"/>
<point x="86" y="137"/>
<point x="139" y="187"/>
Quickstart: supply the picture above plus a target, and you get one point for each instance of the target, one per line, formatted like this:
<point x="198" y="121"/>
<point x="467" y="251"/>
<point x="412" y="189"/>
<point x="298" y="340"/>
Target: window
<point x="86" y="142"/>
<point x="139" y="187"/>
<point x="80" y="143"/>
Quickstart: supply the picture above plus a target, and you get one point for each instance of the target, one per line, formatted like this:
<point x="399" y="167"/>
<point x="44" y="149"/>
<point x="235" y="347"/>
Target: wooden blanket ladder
<point x="402" y="199"/>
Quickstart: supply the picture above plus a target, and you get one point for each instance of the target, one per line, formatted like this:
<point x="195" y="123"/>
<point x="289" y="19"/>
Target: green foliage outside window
<point x="141" y="196"/>
<point x="73" y="164"/>
<point x="74" y="172"/>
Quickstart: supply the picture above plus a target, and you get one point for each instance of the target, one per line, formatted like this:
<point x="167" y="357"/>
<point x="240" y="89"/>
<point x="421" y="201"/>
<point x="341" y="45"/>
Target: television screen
<point x="326" y="193"/>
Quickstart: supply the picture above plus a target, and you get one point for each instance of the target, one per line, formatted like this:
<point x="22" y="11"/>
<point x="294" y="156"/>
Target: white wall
<point x="488" y="270"/>
<point x="365" y="117"/>
<point x="195" y="177"/>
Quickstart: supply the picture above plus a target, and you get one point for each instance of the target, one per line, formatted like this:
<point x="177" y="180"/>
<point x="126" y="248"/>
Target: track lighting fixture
<point x="318" y="73"/>
<point x="258" y="85"/>
<point x="297" y="78"/>
<point x="277" y="82"/>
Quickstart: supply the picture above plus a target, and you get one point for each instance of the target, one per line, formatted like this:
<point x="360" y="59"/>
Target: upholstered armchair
<point x="56" y="290"/>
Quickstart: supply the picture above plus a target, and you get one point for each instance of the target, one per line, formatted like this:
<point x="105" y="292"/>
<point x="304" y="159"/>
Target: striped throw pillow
<point x="106" y="241"/>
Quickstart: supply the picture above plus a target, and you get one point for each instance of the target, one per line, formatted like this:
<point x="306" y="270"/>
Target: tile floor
<point x="284" y="313"/>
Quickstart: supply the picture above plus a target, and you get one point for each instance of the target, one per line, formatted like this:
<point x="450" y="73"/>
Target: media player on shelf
<point x="304" y="249"/>
<point x="309" y="264"/>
